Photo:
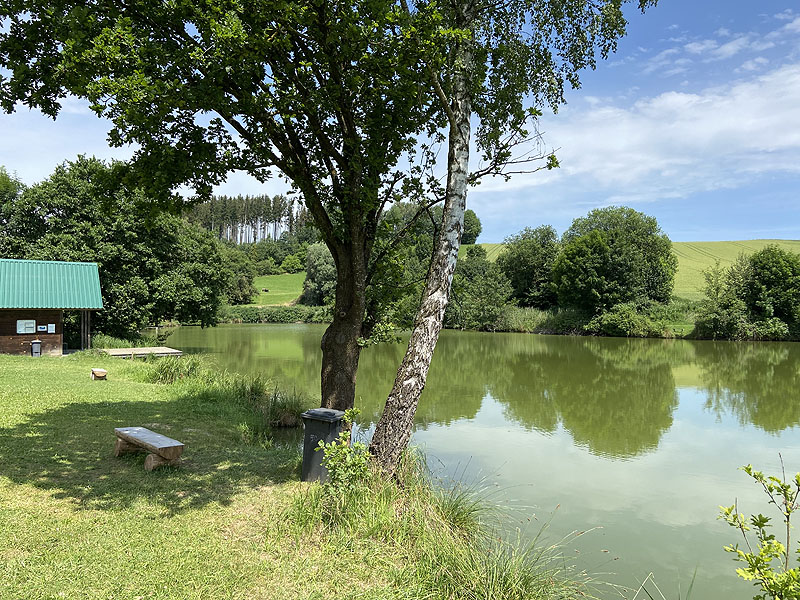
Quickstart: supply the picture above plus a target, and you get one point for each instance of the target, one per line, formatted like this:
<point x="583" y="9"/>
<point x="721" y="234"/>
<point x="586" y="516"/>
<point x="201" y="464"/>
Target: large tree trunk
<point x="395" y="425"/>
<point x="340" y="347"/>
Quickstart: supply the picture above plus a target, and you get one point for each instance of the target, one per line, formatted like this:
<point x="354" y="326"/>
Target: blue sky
<point x="695" y="120"/>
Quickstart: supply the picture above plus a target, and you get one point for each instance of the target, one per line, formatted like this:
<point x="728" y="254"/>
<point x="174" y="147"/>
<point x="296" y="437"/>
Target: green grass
<point x="693" y="259"/>
<point x="232" y="521"/>
<point x="283" y="289"/>
<point x="696" y="257"/>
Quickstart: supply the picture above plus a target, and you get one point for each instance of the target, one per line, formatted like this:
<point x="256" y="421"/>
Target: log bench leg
<point x="153" y="461"/>
<point x="123" y="447"/>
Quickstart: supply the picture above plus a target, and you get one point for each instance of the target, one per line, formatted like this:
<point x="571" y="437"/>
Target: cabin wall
<point x="12" y="342"/>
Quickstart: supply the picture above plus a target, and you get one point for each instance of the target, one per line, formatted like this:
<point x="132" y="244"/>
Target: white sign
<point x="51" y="328"/>
<point x="26" y="326"/>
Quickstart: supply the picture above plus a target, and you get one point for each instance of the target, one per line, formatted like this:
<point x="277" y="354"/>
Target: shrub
<point x="768" y="564"/>
<point x="275" y="314"/>
<point x="624" y="320"/>
<point x="292" y="264"/>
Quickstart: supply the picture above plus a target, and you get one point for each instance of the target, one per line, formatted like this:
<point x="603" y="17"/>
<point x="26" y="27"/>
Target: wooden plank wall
<point x="13" y="343"/>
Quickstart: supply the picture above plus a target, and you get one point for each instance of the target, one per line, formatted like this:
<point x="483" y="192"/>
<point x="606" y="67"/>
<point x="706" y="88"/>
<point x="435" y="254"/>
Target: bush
<point x="756" y="298"/>
<point x="624" y="320"/>
<point x="533" y="320"/>
<point x="291" y="264"/>
<point x="275" y="314"/>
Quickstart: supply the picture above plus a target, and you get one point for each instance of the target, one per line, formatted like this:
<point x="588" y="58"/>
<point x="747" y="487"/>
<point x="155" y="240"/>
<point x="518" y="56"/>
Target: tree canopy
<point x="153" y="266"/>
<point x="614" y="255"/>
<point x="527" y="260"/>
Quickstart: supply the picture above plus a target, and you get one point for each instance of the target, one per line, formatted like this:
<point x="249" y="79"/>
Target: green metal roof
<point x="49" y="284"/>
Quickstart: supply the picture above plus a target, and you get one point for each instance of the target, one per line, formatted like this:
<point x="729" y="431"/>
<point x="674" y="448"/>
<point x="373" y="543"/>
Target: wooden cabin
<point x="33" y="297"/>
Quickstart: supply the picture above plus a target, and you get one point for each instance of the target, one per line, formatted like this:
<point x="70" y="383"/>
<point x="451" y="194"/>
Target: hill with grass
<point x="693" y="259"/>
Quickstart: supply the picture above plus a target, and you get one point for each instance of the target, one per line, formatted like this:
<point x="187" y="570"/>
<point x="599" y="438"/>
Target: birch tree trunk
<point x="395" y="425"/>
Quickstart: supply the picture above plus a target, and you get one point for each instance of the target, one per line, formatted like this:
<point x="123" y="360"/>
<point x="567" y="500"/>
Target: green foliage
<point x="768" y="565"/>
<point x="479" y="294"/>
<point x="626" y="319"/>
<point x="241" y="273"/>
<point x="348" y="464"/>
<point x="472" y="227"/>
<point x="275" y="314"/>
<point x="319" y="286"/>
<point x="756" y="298"/>
<point x="291" y="264"/>
<point x="153" y="265"/>
<point x="614" y="255"/>
<point x="527" y="260"/>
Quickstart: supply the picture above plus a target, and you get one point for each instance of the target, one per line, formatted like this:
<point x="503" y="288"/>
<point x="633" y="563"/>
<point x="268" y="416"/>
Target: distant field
<point x="696" y="257"/>
<point x="283" y="289"/>
<point x="693" y="259"/>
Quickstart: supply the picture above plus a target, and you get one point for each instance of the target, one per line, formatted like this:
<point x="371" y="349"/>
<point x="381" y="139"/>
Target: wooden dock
<point x="142" y="352"/>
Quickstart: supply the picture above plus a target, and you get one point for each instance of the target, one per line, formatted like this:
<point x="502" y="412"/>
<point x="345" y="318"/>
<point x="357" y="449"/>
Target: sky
<point x="695" y="120"/>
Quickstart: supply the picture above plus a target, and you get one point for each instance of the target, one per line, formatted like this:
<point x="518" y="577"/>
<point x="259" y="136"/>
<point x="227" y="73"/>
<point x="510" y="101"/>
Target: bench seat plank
<point x="152" y="441"/>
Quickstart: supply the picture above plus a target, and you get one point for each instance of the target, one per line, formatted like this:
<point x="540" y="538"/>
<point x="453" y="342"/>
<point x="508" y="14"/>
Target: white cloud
<point x="731" y="48"/>
<point x="701" y="47"/>
<point x="674" y="144"/>
<point x="753" y="65"/>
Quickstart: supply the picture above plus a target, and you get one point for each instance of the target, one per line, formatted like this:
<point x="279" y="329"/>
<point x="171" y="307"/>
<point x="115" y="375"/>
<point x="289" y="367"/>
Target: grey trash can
<point x="320" y="424"/>
<point x="36" y="347"/>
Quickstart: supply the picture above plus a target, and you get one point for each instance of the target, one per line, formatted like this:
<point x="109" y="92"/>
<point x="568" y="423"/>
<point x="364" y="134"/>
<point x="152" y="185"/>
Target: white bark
<point x="395" y="425"/>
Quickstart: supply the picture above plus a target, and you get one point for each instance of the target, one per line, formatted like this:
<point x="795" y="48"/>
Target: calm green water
<point x="638" y="441"/>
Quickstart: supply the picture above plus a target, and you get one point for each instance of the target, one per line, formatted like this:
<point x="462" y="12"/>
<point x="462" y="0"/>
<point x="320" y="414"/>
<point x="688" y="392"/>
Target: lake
<point x="636" y="442"/>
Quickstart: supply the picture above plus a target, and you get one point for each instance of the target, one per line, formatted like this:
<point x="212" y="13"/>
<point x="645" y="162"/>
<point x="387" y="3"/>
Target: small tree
<point x="768" y="564"/>
<point x="527" y="260"/>
<point x="480" y="293"/>
<point x="472" y="227"/>
<point x="320" y="283"/>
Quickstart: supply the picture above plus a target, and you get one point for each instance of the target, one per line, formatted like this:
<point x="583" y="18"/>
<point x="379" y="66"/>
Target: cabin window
<point x="24" y="326"/>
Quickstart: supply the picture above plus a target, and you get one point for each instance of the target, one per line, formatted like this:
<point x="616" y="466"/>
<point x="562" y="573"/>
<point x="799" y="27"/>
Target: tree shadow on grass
<point x="68" y="451"/>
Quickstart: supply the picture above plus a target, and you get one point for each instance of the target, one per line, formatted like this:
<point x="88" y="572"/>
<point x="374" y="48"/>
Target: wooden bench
<point x="99" y="374"/>
<point x="163" y="450"/>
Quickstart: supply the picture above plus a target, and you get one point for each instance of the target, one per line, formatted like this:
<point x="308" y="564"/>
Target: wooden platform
<point x="142" y="352"/>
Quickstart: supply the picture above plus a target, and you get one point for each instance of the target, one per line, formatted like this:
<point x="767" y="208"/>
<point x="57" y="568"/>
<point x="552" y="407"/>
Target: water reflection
<point x="615" y="397"/>
<point x="756" y="382"/>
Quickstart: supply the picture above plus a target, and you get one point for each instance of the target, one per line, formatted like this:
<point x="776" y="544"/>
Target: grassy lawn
<point x="75" y="522"/>
<point x="283" y="289"/>
<point x="693" y="259"/>
<point x="232" y="521"/>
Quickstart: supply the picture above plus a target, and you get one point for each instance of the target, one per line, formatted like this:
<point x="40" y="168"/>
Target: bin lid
<point x="323" y="414"/>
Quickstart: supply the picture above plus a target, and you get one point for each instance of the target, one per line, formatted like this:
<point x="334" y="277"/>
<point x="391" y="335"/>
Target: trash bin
<point x="320" y="424"/>
<point x="36" y="347"/>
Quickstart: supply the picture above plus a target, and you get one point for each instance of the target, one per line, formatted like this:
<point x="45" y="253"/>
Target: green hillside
<point x="696" y="257"/>
<point x="693" y="259"/>
<point x="283" y="289"/>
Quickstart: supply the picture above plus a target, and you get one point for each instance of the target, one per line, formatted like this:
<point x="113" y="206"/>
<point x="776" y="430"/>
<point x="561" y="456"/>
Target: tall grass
<point x="270" y="406"/>
<point x="451" y="550"/>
